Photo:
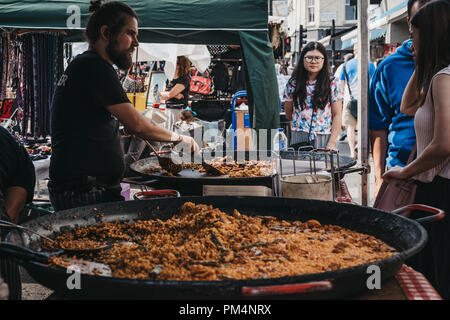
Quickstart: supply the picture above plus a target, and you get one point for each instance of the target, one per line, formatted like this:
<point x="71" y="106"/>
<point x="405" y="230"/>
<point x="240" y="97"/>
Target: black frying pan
<point x="406" y="235"/>
<point x="190" y="182"/>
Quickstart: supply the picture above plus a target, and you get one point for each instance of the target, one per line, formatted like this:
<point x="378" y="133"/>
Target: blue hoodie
<point x="385" y="96"/>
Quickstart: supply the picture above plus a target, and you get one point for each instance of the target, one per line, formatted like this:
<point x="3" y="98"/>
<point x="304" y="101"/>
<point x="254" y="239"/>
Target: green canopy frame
<point x="227" y="22"/>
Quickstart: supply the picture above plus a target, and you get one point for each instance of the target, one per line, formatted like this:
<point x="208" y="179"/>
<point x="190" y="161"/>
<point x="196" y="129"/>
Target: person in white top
<point x="427" y="96"/>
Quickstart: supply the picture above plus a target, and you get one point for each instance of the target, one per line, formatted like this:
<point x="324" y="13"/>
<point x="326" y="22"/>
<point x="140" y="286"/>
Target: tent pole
<point x="363" y="88"/>
<point x="135" y="76"/>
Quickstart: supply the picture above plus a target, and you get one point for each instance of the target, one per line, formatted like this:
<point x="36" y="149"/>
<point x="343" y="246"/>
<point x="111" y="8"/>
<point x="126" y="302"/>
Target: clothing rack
<point x="225" y="60"/>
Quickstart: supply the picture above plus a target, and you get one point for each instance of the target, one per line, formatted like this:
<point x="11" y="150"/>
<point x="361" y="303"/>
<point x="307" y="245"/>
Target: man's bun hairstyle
<point x="114" y="15"/>
<point x="95" y="5"/>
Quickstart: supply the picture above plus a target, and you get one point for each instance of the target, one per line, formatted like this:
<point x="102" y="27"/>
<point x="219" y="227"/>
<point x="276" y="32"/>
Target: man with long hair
<point x="87" y="160"/>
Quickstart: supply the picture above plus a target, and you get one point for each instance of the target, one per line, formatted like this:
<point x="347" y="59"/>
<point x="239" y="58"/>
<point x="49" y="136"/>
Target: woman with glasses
<point x="313" y="101"/>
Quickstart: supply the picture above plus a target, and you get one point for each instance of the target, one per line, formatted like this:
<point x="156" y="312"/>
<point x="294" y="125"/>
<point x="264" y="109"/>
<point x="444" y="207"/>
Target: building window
<point x="350" y="11"/>
<point x="310" y="9"/>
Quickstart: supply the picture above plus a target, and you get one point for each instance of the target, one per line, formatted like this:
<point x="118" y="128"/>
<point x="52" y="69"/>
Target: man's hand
<point x="191" y="142"/>
<point x="15" y="199"/>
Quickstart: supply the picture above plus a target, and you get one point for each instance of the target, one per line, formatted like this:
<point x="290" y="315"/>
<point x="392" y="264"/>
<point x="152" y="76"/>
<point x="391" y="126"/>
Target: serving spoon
<point x="68" y="250"/>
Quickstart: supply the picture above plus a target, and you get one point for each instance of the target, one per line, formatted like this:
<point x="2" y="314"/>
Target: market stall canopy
<point x="197" y="54"/>
<point x="224" y="22"/>
<point x="168" y="52"/>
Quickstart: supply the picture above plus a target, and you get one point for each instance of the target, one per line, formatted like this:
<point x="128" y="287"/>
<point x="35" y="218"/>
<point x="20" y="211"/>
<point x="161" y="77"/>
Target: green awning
<point x="240" y="22"/>
<point x="153" y="14"/>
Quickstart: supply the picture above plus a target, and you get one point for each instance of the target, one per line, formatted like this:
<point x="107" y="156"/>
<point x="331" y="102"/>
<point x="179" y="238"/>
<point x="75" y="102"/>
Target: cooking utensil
<point x="405" y="235"/>
<point x="84" y="267"/>
<point x="166" y="162"/>
<point x="4" y="223"/>
<point x="210" y="169"/>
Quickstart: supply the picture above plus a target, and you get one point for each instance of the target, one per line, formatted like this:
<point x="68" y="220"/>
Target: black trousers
<point x="96" y="193"/>
<point x="434" y="260"/>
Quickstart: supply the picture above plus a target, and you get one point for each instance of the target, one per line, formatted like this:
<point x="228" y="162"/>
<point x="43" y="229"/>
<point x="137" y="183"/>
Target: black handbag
<point x="354" y="108"/>
<point x="306" y="145"/>
<point x="353" y="101"/>
<point x="213" y="110"/>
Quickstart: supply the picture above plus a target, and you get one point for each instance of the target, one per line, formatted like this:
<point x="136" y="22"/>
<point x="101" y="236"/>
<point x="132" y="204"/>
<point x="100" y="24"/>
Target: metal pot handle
<point x="297" y="288"/>
<point x="21" y="253"/>
<point x="406" y="212"/>
<point x="157" y="193"/>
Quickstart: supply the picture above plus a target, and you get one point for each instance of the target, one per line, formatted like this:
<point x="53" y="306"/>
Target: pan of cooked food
<point x="217" y="248"/>
<point x="211" y="168"/>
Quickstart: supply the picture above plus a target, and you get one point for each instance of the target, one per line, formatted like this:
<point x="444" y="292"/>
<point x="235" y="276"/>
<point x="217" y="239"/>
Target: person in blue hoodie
<point x="392" y="132"/>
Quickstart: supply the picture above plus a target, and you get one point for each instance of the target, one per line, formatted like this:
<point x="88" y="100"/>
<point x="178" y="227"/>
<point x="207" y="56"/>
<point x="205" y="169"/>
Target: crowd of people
<point x="408" y="104"/>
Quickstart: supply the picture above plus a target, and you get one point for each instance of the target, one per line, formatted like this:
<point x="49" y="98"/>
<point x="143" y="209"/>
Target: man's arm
<point x="138" y="125"/>
<point x="379" y="144"/>
<point x="15" y="200"/>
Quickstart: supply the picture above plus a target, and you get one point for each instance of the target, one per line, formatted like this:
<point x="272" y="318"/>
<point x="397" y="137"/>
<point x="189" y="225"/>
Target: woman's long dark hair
<point x="433" y="22"/>
<point x="322" y="91"/>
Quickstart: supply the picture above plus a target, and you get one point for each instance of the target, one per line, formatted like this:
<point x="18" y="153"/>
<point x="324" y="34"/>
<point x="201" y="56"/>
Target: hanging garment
<point x="238" y="79"/>
<point x="220" y="76"/>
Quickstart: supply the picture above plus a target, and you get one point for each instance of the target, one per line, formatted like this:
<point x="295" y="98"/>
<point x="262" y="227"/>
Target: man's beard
<point x="120" y="58"/>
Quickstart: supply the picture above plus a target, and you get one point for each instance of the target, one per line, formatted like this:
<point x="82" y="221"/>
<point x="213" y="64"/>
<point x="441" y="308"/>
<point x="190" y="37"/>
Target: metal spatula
<point x="166" y="162"/>
<point x="210" y="169"/>
<point x="27" y="255"/>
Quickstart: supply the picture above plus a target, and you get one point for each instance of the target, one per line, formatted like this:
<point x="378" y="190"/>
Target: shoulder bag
<point x="353" y="101"/>
<point x="309" y="143"/>
<point x="396" y="193"/>
<point x="201" y="85"/>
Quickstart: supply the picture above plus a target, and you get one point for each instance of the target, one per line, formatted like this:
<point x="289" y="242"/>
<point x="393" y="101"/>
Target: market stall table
<point x="407" y="284"/>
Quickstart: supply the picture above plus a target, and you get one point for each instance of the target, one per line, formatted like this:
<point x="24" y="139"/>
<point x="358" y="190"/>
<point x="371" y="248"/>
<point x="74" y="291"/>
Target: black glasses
<point x="313" y="58"/>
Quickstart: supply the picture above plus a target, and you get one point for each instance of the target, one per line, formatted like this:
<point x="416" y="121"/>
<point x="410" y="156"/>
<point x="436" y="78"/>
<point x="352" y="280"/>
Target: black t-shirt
<point x="185" y="81"/>
<point x="16" y="167"/>
<point x="85" y="135"/>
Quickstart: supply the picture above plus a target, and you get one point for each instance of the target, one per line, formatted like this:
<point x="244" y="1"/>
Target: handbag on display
<point x="200" y="84"/>
<point x="396" y="193"/>
<point x="353" y="102"/>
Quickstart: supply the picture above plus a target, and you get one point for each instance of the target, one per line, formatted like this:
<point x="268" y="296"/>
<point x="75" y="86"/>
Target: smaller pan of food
<point x="258" y="165"/>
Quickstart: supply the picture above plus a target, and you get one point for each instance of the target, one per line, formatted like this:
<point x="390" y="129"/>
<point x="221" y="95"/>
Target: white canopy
<point x="168" y="52"/>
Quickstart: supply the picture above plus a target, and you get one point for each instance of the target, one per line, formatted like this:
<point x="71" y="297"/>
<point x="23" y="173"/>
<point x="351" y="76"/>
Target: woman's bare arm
<point x="288" y="109"/>
<point x="411" y="98"/>
<point x="336" y="110"/>
<point x="174" y="92"/>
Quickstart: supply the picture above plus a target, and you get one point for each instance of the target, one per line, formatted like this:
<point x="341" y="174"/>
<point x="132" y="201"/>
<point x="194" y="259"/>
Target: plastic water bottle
<point x="280" y="140"/>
